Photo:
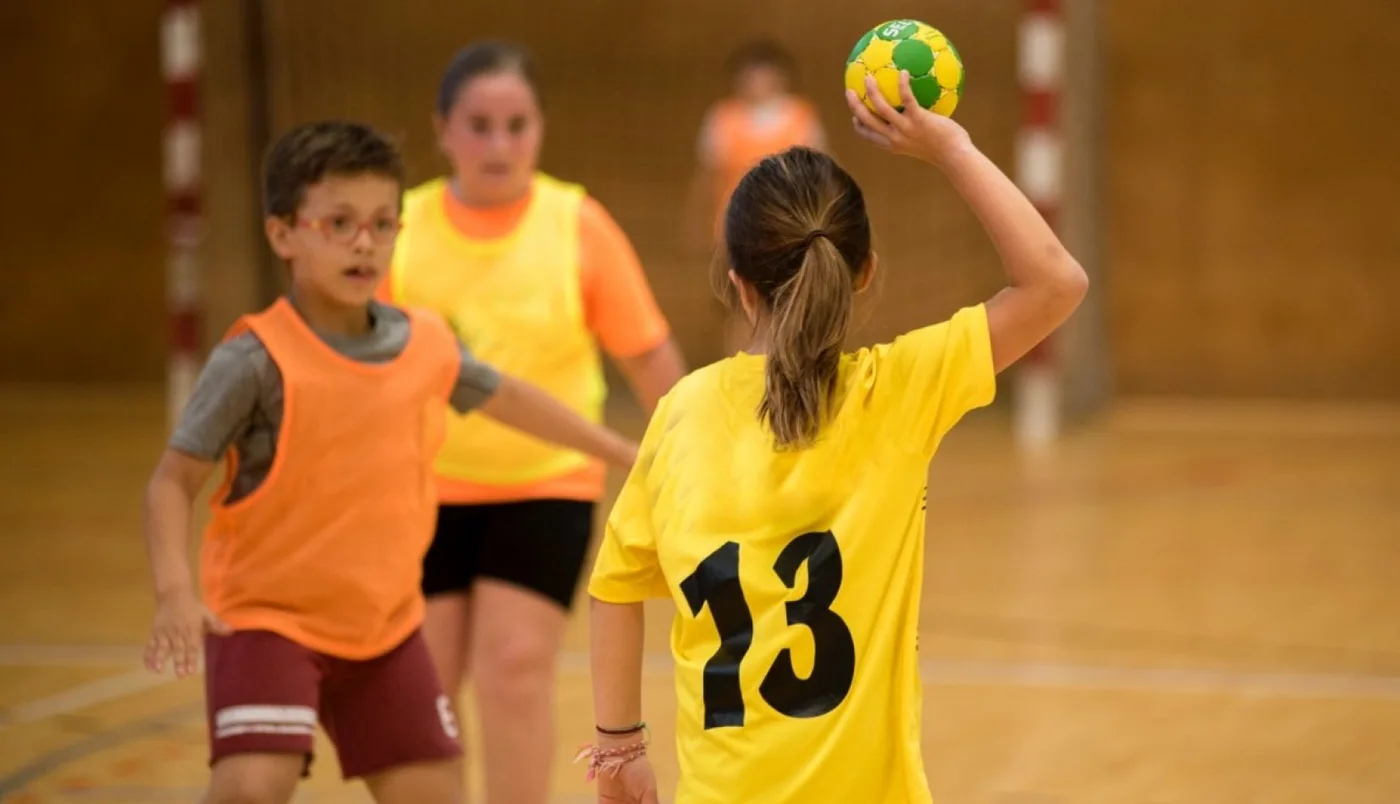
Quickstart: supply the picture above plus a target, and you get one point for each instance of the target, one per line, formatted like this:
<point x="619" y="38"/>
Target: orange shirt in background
<point x="328" y="551"/>
<point x="619" y="309"/>
<point x="736" y="136"/>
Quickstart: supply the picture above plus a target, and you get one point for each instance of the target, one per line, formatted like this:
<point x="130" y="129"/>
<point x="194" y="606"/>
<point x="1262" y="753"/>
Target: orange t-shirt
<point x="736" y="136"/>
<point x="328" y="551"/>
<point x="619" y="309"/>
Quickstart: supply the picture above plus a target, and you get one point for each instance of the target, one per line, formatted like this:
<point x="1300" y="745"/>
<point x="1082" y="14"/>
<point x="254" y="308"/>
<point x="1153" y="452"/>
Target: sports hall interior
<point x="1188" y="596"/>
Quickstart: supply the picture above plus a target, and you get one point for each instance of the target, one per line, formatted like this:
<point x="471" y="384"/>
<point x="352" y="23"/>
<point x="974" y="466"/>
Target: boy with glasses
<point x="329" y="408"/>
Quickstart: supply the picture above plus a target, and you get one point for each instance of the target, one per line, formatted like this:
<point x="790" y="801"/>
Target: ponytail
<point x="811" y="313"/>
<point x="797" y="236"/>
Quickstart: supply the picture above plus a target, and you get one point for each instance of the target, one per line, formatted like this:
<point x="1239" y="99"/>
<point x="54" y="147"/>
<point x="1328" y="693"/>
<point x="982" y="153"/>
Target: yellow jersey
<point x="515" y="302"/>
<point x="796" y="574"/>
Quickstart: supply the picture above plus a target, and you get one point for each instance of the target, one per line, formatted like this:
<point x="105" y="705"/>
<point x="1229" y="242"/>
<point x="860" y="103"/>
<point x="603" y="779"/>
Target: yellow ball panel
<point x="888" y="81"/>
<point x="855" y="78"/>
<point x="934" y="39"/>
<point x="948" y="70"/>
<point x="879" y="53"/>
<point x="946" y="104"/>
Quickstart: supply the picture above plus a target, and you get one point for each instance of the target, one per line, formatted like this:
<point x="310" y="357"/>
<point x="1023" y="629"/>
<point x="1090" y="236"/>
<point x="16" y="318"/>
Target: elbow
<point x="1072" y="282"/>
<point x="1079" y="280"/>
<point x="501" y="400"/>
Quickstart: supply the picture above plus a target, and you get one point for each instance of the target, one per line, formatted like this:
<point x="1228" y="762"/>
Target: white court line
<point x="933" y="672"/>
<point x="1152" y="679"/>
<point x="82" y="697"/>
<point x="68" y="655"/>
<point x="1266" y="684"/>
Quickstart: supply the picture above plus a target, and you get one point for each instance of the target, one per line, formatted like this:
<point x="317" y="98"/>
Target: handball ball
<point x="934" y="66"/>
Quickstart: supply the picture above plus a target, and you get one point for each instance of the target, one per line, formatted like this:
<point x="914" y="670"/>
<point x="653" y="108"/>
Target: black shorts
<point x="540" y="545"/>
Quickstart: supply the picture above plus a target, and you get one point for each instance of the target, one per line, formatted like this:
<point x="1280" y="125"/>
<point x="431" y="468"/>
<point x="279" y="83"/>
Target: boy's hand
<point x="914" y="132"/>
<point x="177" y="634"/>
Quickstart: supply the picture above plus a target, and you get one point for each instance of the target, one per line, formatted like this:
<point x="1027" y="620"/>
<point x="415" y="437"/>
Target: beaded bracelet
<point x="610" y="760"/>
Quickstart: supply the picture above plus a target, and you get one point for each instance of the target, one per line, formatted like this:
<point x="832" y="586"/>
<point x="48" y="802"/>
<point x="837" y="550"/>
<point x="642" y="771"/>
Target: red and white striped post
<point x="1040" y="173"/>
<point x="180" y="59"/>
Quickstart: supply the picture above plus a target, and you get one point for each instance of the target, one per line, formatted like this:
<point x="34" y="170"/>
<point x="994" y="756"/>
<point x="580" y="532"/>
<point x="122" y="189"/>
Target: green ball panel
<point x="926" y="90"/>
<point x="897" y="29"/>
<point x="914" y="57"/>
<point x="860" y="46"/>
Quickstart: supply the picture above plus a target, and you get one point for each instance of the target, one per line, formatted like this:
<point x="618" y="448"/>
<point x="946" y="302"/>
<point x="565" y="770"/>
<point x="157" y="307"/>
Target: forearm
<point x="617" y="639"/>
<point x="1030" y="251"/>
<point x="652" y="373"/>
<point x="168" y="511"/>
<point x="523" y="406"/>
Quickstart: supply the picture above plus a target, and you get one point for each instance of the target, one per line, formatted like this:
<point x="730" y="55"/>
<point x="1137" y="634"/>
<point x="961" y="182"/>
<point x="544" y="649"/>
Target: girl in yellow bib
<point x="777" y="495"/>
<point x="535" y="277"/>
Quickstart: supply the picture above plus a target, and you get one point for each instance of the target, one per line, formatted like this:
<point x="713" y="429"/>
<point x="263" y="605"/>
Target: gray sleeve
<point x="223" y="401"/>
<point x="476" y="382"/>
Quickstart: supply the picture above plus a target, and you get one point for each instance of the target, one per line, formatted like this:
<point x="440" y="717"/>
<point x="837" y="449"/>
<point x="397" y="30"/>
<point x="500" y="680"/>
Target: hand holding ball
<point x="935" y="69"/>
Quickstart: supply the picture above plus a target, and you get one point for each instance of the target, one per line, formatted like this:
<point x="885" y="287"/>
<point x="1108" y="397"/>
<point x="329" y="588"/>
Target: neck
<point x="467" y="198"/>
<point x="758" y="339"/>
<point x="330" y="318"/>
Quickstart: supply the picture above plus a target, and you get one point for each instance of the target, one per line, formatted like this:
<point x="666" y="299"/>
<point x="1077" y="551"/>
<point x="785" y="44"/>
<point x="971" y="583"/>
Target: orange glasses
<point x="343" y="229"/>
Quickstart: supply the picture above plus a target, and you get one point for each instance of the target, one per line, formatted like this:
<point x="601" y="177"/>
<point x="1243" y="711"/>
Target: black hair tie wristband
<point x="640" y="727"/>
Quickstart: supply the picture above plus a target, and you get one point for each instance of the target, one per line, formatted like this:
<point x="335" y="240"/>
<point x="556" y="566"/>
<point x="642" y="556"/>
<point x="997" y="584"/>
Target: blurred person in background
<point x="535" y="276"/>
<point x="761" y="115"/>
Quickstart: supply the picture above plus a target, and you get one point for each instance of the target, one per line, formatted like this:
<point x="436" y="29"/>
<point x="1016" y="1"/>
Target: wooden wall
<point x="1253" y="197"/>
<point x="1250" y="230"/>
<point x="82" y="210"/>
<point x="625" y="92"/>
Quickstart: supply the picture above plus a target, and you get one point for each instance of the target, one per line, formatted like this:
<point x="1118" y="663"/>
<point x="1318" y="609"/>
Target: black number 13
<point x="716" y="582"/>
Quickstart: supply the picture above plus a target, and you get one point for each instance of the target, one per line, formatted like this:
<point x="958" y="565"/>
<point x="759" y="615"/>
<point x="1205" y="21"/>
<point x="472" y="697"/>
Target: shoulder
<point x="720" y="111"/>
<point x="428" y="321"/>
<point x="699" y="390"/>
<point x="605" y="247"/>
<point x="549" y="184"/>
<point x="921" y="367"/>
<point x="713" y="128"/>
<point x="801" y="107"/>
<point x="966" y="321"/>
<point x="239" y="353"/>
<point x="593" y="216"/>
<point x="240" y="367"/>
<point x="415" y="197"/>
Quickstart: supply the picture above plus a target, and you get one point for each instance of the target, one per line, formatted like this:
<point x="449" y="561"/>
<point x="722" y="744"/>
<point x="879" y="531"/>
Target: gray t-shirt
<point x="237" y="402"/>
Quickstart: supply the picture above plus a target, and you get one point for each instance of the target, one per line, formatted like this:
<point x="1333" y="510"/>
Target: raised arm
<point x="1044" y="283"/>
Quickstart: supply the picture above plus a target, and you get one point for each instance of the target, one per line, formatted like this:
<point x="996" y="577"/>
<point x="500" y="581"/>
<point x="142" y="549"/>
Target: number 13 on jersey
<point x="715" y="582"/>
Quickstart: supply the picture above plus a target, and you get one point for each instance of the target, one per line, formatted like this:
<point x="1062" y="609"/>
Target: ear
<point x="748" y="297"/>
<point x="867" y="273"/>
<point x="279" y="236"/>
<point x="440" y="130"/>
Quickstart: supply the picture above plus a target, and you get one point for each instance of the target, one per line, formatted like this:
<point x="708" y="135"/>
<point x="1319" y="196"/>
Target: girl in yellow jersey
<point x="776" y="499"/>
<point x="537" y="278"/>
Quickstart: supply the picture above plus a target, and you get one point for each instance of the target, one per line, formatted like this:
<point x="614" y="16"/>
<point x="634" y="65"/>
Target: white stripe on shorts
<point x="263" y="728"/>
<point x="233" y="720"/>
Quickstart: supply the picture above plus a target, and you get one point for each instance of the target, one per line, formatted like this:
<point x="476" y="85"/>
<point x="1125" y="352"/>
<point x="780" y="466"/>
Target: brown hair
<point x="761" y="53"/>
<point x="309" y="153"/>
<point x="484" y="58"/>
<point x="796" y="229"/>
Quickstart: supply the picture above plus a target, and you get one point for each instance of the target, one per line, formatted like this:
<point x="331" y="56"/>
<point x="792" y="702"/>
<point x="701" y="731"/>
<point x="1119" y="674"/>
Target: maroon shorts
<point x="265" y="694"/>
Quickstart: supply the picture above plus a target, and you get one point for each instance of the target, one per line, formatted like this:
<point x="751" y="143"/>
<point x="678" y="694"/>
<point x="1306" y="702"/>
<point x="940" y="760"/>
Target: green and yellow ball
<point x="934" y="66"/>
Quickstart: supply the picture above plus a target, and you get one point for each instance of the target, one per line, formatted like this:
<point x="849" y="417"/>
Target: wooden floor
<point x="1185" y="604"/>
